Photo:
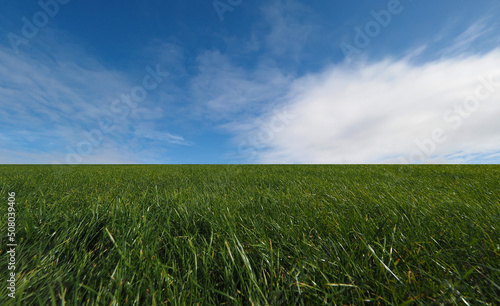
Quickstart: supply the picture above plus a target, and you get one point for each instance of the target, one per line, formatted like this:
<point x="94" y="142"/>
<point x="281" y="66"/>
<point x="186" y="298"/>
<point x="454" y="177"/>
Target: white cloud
<point x="375" y="112"/>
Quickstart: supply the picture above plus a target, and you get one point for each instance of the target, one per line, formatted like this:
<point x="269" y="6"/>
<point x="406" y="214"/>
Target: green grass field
<point x="253" y="235"/>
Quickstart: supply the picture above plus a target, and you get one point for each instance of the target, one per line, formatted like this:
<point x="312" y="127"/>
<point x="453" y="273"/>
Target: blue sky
<point x="230" y="81"/>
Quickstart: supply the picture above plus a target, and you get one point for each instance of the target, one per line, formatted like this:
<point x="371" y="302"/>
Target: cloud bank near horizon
<point x="391" y="111"/>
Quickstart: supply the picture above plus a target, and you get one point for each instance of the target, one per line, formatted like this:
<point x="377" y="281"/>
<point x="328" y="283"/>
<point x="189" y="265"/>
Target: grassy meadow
<point x="253" y="234"/>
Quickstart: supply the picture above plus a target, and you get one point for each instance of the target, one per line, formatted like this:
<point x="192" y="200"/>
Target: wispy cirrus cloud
<point x="475" y="34"/>
<point x="160" y="136"/>
<point x="222" y="90"/>
<point x="52" y="101"/>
